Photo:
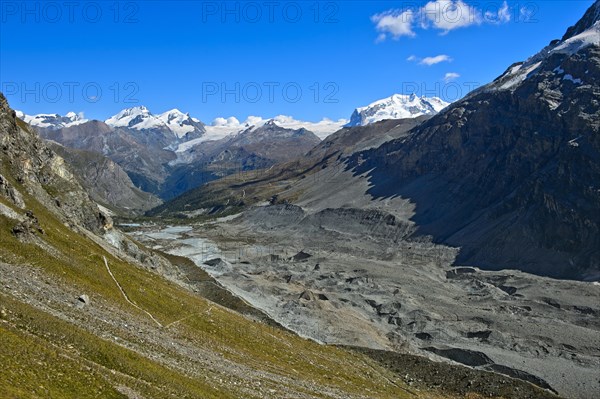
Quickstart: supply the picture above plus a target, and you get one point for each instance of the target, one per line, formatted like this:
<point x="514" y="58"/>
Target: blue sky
<point x="308" y="59"/>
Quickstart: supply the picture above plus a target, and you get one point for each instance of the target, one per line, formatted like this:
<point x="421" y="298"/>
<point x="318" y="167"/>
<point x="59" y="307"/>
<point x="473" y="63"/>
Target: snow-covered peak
<point x="52" y="121"/>
<point x="580" y="36"/>
<point x="138" y="118"/>
<point x="398" y="106"/>
<point x="589" y="37"/>
<point x="589" y="19"/>
<point x="179" y="123"/>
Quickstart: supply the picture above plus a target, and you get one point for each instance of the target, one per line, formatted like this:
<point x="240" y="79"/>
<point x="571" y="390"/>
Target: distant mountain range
<point x="169" y="153"/>
<point x="52" y="121"/>
<point x="186" y="128"/>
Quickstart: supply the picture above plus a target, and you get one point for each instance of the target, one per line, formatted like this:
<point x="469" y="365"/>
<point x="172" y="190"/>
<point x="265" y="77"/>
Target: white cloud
<point x="443" y="15"/>
<point x="504" y="13"/>
<point x="447" y="15"/>
<point x="429" y="61"/>
<point x="394" y="23"/>
<point x="381" y="38"/>
<point x="502" y="16"/>
<point x="321" y="129"/>
<point x="450" y="76"/>
<point x="254" y="120"/>
<point x="231" y="122"/>
<point x="527" y="14"/>
<point x="412" y="58"/>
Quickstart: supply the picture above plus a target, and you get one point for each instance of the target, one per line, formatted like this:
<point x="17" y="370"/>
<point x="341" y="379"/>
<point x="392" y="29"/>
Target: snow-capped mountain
<point x="138" y="118"/>
<point x="181" y="125"/>
<point x="52" y="121"/>
<point x="398" y="106"/>
<point x="577" y="38"/>
<point x="222" y="127"/>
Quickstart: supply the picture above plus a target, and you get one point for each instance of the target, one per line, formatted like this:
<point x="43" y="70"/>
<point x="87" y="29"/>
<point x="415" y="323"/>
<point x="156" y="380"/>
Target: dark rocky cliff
<point x="511" y="174"/>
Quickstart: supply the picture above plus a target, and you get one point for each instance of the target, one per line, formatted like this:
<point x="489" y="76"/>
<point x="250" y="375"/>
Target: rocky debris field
<point x="316" y="274"/>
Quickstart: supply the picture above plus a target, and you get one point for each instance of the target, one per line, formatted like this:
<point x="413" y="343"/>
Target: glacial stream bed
<point x="536" y="329"/>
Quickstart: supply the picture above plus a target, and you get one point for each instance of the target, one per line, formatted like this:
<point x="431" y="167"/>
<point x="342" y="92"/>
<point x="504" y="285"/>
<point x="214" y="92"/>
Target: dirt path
<point x="125" y="294"/>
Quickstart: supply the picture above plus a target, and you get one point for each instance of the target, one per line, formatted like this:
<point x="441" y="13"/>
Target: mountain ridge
<point x="507" y="173"/>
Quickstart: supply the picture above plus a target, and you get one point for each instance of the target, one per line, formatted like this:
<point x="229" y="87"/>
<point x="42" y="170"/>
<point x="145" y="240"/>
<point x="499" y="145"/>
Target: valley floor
<point x="340" y="289"/>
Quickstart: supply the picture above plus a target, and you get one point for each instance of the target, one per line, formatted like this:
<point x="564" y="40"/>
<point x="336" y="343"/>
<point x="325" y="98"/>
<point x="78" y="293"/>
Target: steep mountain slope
<point x="510" y="174"/>
<point x="81" y="318"/>
<point x="40" y="173"/>
<point x="145" y="164"/>
<point x="106" y="182"/>
<point x="397" y="106"/>
<point x="275" y="143"/>
<point x="269" y="141"/>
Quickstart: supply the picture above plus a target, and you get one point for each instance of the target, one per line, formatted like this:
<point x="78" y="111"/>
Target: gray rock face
<point x="9" y="192"/>
<point x="589" y="18"/>
<point x="106" y="182"/>
<point x="33" y="168"/>
<point x="43" y="174"/>
<point x="27" y="228"/>
<point x="276" y="143"/>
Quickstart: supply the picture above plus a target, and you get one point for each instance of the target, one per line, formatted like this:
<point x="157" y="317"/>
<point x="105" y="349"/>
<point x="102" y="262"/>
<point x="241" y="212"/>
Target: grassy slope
<point x="47" y="354"/>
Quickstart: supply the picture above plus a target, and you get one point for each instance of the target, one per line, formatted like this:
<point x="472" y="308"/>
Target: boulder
<point x="322" y="297"/>
<point x="307" y="296"/>
<point x="301" y="257"/>
<point x="459" y="271"/>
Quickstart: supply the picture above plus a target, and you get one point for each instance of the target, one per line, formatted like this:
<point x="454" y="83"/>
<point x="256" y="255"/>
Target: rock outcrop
<point x="41" y="173"/>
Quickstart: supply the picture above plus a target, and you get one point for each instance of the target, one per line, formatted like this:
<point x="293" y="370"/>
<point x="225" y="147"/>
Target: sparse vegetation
<point x="62" y="356"/>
